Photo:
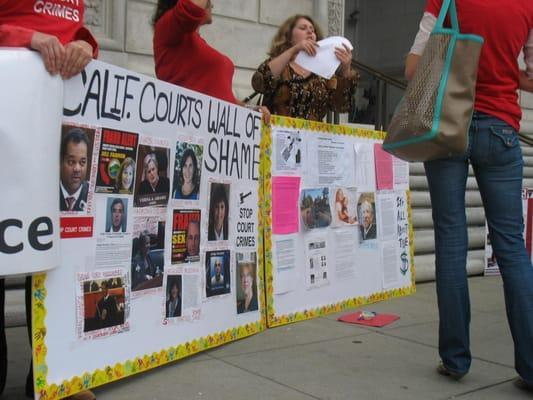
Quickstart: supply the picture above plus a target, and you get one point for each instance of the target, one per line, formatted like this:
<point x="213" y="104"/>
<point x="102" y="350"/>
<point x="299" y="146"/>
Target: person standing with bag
<point x="495" y="155"/>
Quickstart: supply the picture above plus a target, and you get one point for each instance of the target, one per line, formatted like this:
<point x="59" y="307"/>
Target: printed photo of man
<point x="117" y="215"/>
<point x="74" y="187"/>
<point x="217" y="279"/>
<point x="193" y="241"/>
<point x="217" y="271"/>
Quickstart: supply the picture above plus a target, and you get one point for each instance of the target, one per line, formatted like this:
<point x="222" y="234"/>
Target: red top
<point x="19" y="19"/>
<point x="505" y="26"/>
<point x="183" y="58"/>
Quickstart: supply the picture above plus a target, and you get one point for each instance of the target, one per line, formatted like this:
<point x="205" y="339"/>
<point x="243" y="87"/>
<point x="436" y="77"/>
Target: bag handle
<point x="448" y="6"/>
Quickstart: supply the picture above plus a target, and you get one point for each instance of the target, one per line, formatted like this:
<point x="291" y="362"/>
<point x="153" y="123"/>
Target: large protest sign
<point x="29" y="223"/>
<point x="165" y="199"/>
<point x="338" y="230"/>
<point x="160" y="231"/>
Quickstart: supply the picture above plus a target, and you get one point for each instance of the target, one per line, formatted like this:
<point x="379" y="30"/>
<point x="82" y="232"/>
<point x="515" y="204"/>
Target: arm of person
<point x="78" y="54"/>
<point x="526" y="76"/>
<point x="278" y="64"/>
<point x="344" y="55"/>
<point x="184" y="18"/>
<point x="265" y="112"/>
<point x="50" y="48"/>
<point x="67" y="60"/>
<point x="15" y="36"/>
<point x="341" y="214"/>
<point x="427" y="23"/>
<point x="526" y="83"/>
<point x="411" y="61"/>
<point x="346" y="79"/>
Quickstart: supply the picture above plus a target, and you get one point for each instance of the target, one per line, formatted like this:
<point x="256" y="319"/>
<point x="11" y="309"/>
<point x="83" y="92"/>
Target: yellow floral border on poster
<point x="272" y="319"/>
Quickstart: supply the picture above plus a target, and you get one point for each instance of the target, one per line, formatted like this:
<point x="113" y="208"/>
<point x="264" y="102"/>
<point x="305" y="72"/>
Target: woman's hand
<point x="67" y="60"/>
<point x="525" y="83"/>
<point x="51" y="50"/>
<point x="307" y="45"/>
<point x="265" y="113"/>
<point x="344" y="55"/>
<point x="77" y="55"/>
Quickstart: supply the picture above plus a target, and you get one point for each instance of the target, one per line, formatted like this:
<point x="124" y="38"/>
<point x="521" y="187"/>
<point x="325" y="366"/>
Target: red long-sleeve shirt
<point x="183" y="58"/>
<point x="20" y="19"/>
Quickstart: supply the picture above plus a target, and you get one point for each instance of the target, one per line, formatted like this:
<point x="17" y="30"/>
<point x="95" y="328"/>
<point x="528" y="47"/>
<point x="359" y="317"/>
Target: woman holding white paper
<point x="293" y="91"/>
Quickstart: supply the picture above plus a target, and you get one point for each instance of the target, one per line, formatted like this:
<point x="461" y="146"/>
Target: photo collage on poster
<point x="341" y="192"/>
<point x="102" y="303"/>
<point x="162" y="226"/>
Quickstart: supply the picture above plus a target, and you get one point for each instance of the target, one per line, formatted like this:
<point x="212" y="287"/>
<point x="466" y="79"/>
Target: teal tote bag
<point x="432" y="119"/>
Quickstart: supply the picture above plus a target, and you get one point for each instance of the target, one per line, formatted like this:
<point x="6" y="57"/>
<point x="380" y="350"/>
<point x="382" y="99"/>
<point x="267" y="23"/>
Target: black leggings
<point x="3" y="344"/>
<point x="27" y="295"/>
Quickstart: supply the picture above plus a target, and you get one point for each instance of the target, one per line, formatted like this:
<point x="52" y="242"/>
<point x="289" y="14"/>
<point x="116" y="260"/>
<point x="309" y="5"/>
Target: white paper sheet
<point x="345" y="253"/>
<point x="401" y="174"/>
<point x="402" y="231"/>
<point x="389" y="261"/>
<point x="285" y="271"/>
<point x="288" y="149"/>
<point x="325" y="62"/>
<point x="386" y="204"/>
<point x="331" y="159"/>
<point x="316" y="262"/>
<point x="365" y="172"/>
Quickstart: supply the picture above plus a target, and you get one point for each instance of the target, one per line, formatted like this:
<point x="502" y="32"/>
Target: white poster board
<point x="30" y="109"/>
<point x="340" y="232"/>
<point x="159" y="221"/>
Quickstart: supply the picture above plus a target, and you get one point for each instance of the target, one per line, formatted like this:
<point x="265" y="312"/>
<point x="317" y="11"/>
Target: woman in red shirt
<point x="184" y="58"/>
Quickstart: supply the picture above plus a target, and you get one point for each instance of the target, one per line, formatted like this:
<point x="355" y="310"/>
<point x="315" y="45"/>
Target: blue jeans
<point x="496" y="157"/>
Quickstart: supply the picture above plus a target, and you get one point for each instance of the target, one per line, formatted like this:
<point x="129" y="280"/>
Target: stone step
<point x="15" y="310"/>
<point x="420" y="199"/>
<point x="425" y="243"/>
<point x="425" y="265"/>
<point x="475" y="216"/>
<point x="15" y="282"/>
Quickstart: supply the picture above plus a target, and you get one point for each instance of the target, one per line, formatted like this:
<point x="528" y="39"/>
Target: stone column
<point x="335" y="17"/>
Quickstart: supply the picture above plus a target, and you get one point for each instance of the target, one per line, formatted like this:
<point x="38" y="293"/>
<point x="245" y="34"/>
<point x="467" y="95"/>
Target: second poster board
<point x="338" y="230"/>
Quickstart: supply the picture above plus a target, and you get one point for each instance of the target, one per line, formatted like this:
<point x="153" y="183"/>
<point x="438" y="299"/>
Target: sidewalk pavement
<point x="326" y="359"/>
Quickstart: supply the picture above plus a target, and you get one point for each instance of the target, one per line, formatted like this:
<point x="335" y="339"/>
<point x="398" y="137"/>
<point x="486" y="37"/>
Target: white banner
<point x="30" y="118"/>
